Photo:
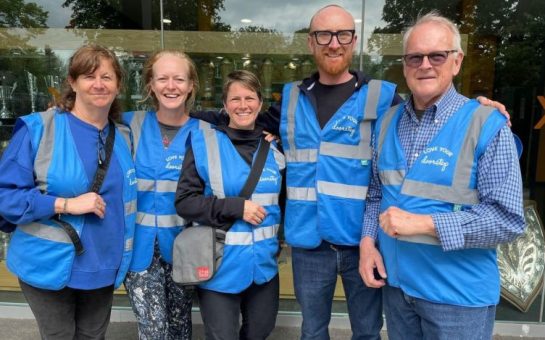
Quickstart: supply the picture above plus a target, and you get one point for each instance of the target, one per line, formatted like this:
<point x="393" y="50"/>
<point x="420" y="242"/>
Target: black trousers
<point x="258" y="305"/>
<point x="70" y="313"/>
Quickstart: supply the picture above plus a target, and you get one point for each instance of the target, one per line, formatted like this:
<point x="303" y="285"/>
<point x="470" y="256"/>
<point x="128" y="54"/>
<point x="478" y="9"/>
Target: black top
<point x="190" y="202"/>
<point x="329" y="98"/>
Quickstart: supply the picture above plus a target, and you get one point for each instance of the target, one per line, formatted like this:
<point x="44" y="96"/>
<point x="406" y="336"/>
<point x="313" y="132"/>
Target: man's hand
<point x="370" y="259"/>
<point x="497" y="105"/>
<point x="397" y="222"/>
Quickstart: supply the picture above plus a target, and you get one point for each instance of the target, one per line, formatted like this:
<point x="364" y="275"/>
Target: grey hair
<point x="435" y="17"/>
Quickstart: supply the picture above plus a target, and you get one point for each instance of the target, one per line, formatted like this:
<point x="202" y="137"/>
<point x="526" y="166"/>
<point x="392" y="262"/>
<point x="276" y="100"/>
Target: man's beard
<point x="336" y="68"/>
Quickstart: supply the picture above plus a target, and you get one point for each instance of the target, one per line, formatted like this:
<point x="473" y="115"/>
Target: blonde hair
<point x="147" y="75"/>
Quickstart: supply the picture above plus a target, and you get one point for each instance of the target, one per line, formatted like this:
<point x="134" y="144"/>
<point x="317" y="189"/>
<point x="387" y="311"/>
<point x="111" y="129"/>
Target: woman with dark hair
<point x="214" y="171"/>
<point x="162" y="308"/>
<point x="67" y="180"/>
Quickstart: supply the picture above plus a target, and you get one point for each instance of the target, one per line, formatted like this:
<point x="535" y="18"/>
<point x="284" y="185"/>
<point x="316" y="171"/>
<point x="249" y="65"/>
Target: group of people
<point x="405" y="200"/>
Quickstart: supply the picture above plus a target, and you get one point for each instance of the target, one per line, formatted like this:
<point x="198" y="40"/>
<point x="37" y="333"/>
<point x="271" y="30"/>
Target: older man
<point x="445" y="190"/>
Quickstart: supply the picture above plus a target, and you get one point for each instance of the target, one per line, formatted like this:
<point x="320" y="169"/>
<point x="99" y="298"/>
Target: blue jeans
<point x="412" y="318"/>
<point x="315" y="275"/>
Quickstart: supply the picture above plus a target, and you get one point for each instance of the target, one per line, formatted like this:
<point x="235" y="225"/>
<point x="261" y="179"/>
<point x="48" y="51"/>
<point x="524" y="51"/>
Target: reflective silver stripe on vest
<point x="44" y="154"/>
<point x="386" y="121"/>
<point x="204" y="125"/>
<point x="301" y="193"/>
<point x="345" y="151"/>
<point x="126" y="134"/>
<point x="342" y="190"/>
<point x="214" y="164"/>
<point x="278" y="158"/>
<point x="265" y="233"/>
<point x="128" y="244"/>
<point x="265" y="199"/>
<point x="136" y="127"/>
<point x="301" y="155"/>
<point x="425" y="239"/>
<point x="46" y="232"/>
<point x="236" y="238"/>
<point x="163" y="221"/>
<point x="159" y="185"/>
<point x="371" y="102"/>
<point x="243" y="238"/>
<point x="392" y="177"/>
<point x="459" y="192"/>
<point x="292" y="105"/>
<point x="130" y="207"/>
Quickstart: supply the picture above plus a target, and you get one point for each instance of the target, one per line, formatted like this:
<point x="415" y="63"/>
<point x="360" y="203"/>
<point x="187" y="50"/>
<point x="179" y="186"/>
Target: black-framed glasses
<point x="436" y="58"/>
<point x="344" y="37"/>
<point x="102" y="135"/>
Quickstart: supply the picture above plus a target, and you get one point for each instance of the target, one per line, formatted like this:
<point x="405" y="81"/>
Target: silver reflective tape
<point x="136" y="127"/>
<point x="166" y="221"/>
<point x="166" y="186"/>
<point x="392" y="177"/>
<point x="345" y="151"/>
<point x="464" y="164"/>
<point x="342" y="190"/>
<point x="365" y="139"/>
<point x="302" y="155"/>
<point x="163" y="221"/>
<point x="464" y="196"/>
<point x="45" y="232"/>
<point x="130" y="207"/>
<point x="384" y="127"/>
<point x="145" y="184"/>
<point x="425" y="239"/>
<point x="265" y="199"/>
<point x="279" y="158"/>
<point x="214" y="164"/>
<point x="265" y="233"/>
<point x="371" y="102"/>
<point x="204" y="125"/>
<point x="128" y="244"/>
<point x="44" y="154"/>
<point x="301" y="193"/>
<point x="238" y="238"/>
<point x="292" y="105"/>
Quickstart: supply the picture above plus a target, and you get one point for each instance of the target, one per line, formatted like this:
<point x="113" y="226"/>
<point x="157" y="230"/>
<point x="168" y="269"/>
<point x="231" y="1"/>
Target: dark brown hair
<point x="86" y="60"/>
<point x="246" y="79"/>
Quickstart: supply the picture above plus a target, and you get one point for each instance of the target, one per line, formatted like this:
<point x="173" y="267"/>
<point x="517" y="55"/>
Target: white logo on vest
<point x="269" y="175"/>
<point x="439" y="162"/>
<point x="174" y="162"/>
<point x="346" y="124"/>
<point x="131" y="176"/>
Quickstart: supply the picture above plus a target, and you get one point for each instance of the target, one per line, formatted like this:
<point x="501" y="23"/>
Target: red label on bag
<point x="203" y="272"/>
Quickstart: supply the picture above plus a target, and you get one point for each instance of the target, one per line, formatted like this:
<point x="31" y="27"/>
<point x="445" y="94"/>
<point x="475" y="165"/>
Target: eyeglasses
<point x="101" y="146"/>
<point x="344" y="37"/>
<point x="435" y="58"/>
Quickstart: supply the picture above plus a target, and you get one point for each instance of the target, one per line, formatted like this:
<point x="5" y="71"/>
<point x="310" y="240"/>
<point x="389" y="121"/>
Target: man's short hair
<point x="435" y="17"/>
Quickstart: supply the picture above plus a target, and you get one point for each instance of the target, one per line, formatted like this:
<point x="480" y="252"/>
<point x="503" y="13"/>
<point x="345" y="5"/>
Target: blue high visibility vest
<point x="250" y="251"/>
<point x="328" y="170"/>
<point x="157" y="170"/>
<point x="41" y="253"/>
<point x="442" y="179"/>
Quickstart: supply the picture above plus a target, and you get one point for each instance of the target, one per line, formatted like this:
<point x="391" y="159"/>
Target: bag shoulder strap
<point x="103" y="166"/>
<point x="255" y="174"/>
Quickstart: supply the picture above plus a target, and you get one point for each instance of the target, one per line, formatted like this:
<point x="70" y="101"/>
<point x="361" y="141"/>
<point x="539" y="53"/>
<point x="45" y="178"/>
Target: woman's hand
<point x="253" y="213"/>
<point x="83" y="204"/>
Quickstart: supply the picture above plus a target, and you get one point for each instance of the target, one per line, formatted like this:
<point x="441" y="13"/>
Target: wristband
<point x="65" y="206"/>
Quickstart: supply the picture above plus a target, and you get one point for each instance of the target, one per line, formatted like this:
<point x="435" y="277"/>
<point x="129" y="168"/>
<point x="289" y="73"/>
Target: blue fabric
<point x="155" y="163"/>
<point x="72" y="168"/>
<point x="499" y="183"/>
<point x="252" y="260"/>
<point x="334" y="218"/>
<point x="409" y="318"/>
<point x="315" y="276"/>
